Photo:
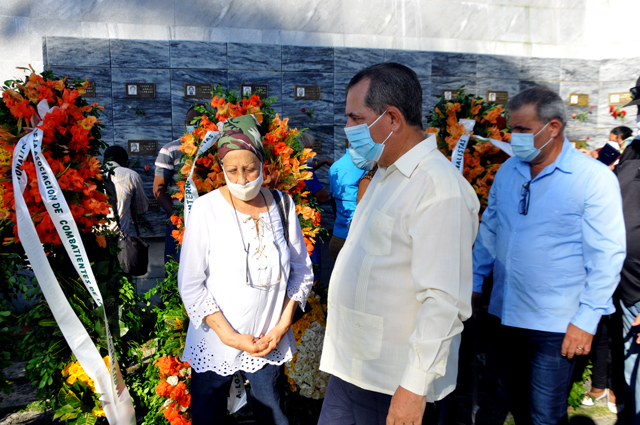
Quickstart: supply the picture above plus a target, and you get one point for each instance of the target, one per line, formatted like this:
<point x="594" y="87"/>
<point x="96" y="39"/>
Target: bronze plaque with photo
<point x="448" y="94"/>
<point x="248" y="90"/>
<point x="143" y="147"/>
<point x="140" y="90"/>
<point x="576" y="99"/>
<point x="617" y="99"/>
<point x="90" y="91"/>
<point x="306" y="92"/>
<point x="197" y="91"/>
<point x="500" y="97"/>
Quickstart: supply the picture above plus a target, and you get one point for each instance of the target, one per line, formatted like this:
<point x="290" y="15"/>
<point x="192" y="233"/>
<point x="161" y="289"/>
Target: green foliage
<point x="576" y="395"/>
<point x="7" y="332"/>
<point x="74" y="404"/>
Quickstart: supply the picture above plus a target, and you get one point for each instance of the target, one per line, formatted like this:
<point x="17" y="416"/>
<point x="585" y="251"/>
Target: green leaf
<point x="48" y="322"/>
<point x="73" y="400"/>
<point x="86" y="419"/>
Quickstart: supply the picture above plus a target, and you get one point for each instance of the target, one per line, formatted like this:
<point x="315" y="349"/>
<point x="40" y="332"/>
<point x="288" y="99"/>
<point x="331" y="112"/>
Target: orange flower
<point x="102" y="241"/>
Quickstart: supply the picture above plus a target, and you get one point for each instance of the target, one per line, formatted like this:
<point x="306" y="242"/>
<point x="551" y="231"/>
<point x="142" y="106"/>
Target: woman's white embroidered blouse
<point x="213" y="277"/>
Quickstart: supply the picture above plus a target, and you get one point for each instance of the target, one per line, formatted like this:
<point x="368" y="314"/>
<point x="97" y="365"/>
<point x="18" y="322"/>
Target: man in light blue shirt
<point x="553" y="235"/>
<point x="344" y="177"/>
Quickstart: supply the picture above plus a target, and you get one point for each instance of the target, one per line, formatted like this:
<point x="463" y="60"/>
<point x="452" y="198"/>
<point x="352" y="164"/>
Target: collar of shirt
<point x="563" y="163"/>
<point x="410" y="160"/>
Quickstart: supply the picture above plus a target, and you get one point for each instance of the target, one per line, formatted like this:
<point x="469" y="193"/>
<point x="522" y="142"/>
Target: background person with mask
<point x="553" y="235"/>
<point x="168" y="162"/>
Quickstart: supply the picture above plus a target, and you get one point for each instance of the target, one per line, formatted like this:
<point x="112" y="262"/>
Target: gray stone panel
<point x="352" y="60"/>
<point x="322" y="109"/>
<point x="147" y="54"/>
<point x="444" y="83"/>
<point x="580" y="70"/>
<point x="498" y="67"/>
<point x="324" y="133"/>
<point x="107" y="135"/>
<point x="339" y="142"/>
<point x="179" y="104"/>
<point x="299" y="58"/>
<point x="156" y="111"/>
<point x="620" y="70"/>
<point x="419" y="62"/>
<point x="511" y="86"/>
<point x="258" y="57"/>
<point x="540" y="69"/>
<point x="454" y="64"/>
<point x="101" y="77"/>
<point x="527" y="84"/>
<point x="605" y="120"/>
<point x="272" y="79"/>
<point x="340" y="82"/>
<point x="427" y="100"/>
<point x="582" y="88"/>
<point x="69" y="51"/>
<point x="198" y="54"/>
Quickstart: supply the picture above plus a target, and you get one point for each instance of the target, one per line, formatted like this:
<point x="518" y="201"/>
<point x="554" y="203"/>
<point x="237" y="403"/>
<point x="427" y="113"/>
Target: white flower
<point x="183" y="409"/>
<point x="173" y="380"/>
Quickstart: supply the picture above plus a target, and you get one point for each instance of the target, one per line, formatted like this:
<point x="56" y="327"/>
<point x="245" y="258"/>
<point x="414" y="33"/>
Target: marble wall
<point x="111" y="63"/>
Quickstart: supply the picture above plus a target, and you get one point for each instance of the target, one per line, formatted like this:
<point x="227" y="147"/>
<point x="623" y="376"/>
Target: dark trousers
<point x="209" y="393"/>
<point x="607" y="356"/>
<point x="347" y="404"/>
<point x="335" y="245"/>
<point x="533" y="377"/>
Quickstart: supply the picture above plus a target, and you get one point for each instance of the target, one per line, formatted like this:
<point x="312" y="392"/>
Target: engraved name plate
<point x="140" y="90"/>
<point x="143" y="147"/>
<point x="576" y="99"/>
<point x="617" y="99"/>
<point x="261" y="90"/>
<point x="154" y="205"/>
<point x="500" y="97"/>
<point x="306" y="92"/>
<point x="197" y="90"/>
<point x="90" y="91"/>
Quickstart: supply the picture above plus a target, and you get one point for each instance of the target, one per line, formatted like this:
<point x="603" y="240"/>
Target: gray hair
<point x="392" y="84"/>
<point x="547" y="103"/>
<point x="306" y="140"/>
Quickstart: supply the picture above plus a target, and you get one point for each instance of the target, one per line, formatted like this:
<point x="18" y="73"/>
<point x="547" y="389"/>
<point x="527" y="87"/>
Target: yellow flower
<point x="99" y="413"/>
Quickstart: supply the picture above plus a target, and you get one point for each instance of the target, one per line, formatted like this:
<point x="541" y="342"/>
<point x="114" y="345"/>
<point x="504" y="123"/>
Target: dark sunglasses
<point x="526" y="195"/>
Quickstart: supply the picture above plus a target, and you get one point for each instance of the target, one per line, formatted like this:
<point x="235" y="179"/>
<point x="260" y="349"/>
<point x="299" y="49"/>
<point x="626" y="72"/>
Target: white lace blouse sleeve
<point x="301" y="271"/>
<point x="194" y="265"/>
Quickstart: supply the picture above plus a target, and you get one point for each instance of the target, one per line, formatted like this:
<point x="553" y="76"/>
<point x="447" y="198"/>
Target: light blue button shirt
<point x="561" y="262"/>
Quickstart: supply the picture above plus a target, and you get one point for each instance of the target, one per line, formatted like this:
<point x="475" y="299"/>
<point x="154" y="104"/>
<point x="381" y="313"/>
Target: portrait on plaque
<point x="132" y="89"/>
<point x="300" y="91"/>
<point x="191" y="90"/>
<point x="246" y="90"/>
<point x="492" y="96"/>
<point x="447" y="94"/>
<point x="135" y="147"/>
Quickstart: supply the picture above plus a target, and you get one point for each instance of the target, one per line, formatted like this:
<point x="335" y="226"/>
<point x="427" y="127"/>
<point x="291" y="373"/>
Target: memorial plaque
<point x="143" y="147"/>
<point x="501" y="97"/>
<point x="306" y="92"/>
<point x="317" y="146"/>
<point x="617" y="99"/>
<point x="448" y="94"/>
<point x="90" y="91"/>
<point x="578" y="99"/>
<point x="197" y="91"/>
<point x="154" y="205"/>
<point x="140" y="90"/>
<point x="261" y="90"/>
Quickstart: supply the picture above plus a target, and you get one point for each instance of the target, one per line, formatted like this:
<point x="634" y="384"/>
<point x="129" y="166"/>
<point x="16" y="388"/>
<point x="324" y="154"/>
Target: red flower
<point x="304" y="110"/>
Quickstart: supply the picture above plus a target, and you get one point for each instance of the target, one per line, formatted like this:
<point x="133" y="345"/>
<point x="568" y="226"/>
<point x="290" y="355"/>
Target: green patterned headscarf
<point x="241" y="133"/>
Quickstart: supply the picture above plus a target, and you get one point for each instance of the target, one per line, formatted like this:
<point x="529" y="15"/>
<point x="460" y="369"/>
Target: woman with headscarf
<point x="240" y="281"/>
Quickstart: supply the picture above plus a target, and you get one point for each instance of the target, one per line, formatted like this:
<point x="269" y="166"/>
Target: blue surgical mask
<point x="524" y="147"/>
<point x="361" y="143"/>
<point x="191" y="128"/>
<point x="360" y="162"/>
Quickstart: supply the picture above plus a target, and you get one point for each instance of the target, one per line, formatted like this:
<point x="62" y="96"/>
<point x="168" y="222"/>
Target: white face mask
<point x="245" y="192"/>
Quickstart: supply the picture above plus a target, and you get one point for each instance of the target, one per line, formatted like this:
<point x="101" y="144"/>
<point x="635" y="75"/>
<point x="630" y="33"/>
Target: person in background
<point x="553" y="236"/>
<point x="308" y="141"/>
<point x="344" y="177"/>
<point x="168" y="162"/>
<point x="621" y="135"/>
<point x="131" y="198"/>
<point x="628" y="173"/>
